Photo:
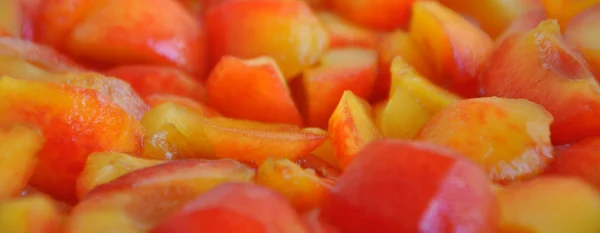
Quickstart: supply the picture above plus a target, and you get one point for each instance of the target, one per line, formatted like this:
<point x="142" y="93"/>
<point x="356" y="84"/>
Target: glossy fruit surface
<point x="299" y="116"/>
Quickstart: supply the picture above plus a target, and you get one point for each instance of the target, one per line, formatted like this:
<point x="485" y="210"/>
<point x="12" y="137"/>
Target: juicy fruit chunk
<point x="303" y="188"/>
<point x="18" y="157"/>
<point x="287" y="31"/>
<point x="239" y="208"/>
<point x="378" y="14"/>
<point x="541" y="60"/>
<point x="10" y="19"/>
<point x="103" y="167"/>
<point x="457" y="47"/>
<point x="114" y="89"/>
<point x="399" y="43"/>
<point x="345" y="34"/>
<point x="579" y="160"/>
<point x="267" y="97"/>
<point x="392" y="45"/>
<point x="494" y="16"/>
<point x="25" y="60"/>
<point x="447" y="193"/>
<point x="413" y="100"/>
<point x="75" y="122"/>
<point x="256" y="142"/>
<point x="401" y="116"/>
<point x="583" y="33"/>
<point x="140" y="31"/>
<point x="139" y="136"/>
<point x="33" y="214"/>
<point x="351" y="127"/>
<point x="197" y="107"/>
<point x="137" y="201"/>
<point x="550" y="204"/>
<point x="432" y="97"/>
<point x="175" y="132"/>
<point x="192" y="175"/>
<point x="320" y="89"/>
<point x="565" y="10"/>
<point x="147" y="80"/>
<point x="54" y="33"/>
<point x="510" y="138"/>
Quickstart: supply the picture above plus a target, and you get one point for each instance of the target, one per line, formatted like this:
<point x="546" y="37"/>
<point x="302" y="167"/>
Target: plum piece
<point x="288" y="31"/>
<point x="137" y="201"/>
<point x="541" y="60"/>
<point x="320" y="89"/>
<point x="103" y="167"/>
<point x="549" y="204"/>
<point x="251" y="89"/>
<point x="74" y="121"/>
<point x="18" y="155"/>
<point x="351" y="127"/>
<point x="239" y="208"/>
<point x="447" y="192"/>
<point x="457" y="48"/>
<point x="256" y="142"/>
<point x="509" y="138"/>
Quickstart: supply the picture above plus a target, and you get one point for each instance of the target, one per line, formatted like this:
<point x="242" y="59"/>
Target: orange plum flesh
<point x="300" y="38"/>
<point x="256" y="142"/>
<point x="18" y="151"/>
<point x="299" y="116"/>
<point x="157" y="32"/>
<point x="541" y="60"/>
<point x="371" y="194"/>
<point x="174" y="132"/>
<point x="75" y="122"/>
<point x="399" y="44"/>
<point x="320" y="89"/>
<point x="304" y="188"/>
<point x="140" y="199"/>
<point x="149" y="80"/>
<point x="267" y="96"/>
<point x="494" y="16"/>
<point x="457" y="48"/>
<point x="351" y="127"/>
<point x="510" y="138"/>
<point x="379" y="14"/>
<point x="549" y="204"/>
<point x="239" y="208"/>
<point x="103" y="167"/>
